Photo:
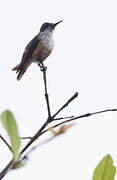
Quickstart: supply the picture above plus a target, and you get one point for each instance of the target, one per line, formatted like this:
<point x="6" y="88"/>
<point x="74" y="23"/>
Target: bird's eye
<point x="44" y="26"/>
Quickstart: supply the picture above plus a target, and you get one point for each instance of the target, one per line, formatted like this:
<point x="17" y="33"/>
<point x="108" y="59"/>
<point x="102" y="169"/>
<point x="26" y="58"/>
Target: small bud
<point x="61" y="130"/>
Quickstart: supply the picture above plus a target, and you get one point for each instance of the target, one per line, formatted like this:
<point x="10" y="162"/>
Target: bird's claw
<point x="42" y="67"/>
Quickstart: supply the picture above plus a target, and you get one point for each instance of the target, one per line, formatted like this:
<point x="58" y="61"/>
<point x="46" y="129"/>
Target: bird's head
<point x="48" y="27"/>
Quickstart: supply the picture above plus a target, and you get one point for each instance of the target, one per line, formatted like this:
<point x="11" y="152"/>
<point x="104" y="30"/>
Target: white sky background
<point x="85" y="60"/>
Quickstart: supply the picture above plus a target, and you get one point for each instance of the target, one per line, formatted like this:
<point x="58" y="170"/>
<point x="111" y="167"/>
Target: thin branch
<point x="25" y="157"/>
<point x="50" y="118"/>
<point x="34" y="137"/>
<point x="6" y="143"/>
<point x="72" y="119"/>
<point x="61" y="118"/>
<point x="6" y="169"/>
<point x="40" y="132"/>
<point x="46" y="92"/>
<point x="49" y="113"/>
<point x="66" y="104"/>
<point x="36" y="146"/>
<point x="83" y="116"/>
<point x="11" y="164"/>
<point x="29" y="137"/>
<point x="79" y="117"/>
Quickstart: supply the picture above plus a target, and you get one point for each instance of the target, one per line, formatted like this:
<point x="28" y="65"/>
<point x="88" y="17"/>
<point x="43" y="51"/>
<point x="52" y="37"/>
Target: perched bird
<point x="38" y="49"/>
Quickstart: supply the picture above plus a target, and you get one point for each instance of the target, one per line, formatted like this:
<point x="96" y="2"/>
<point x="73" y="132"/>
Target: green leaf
<point x="105" y="169"/>
<point x="19" y="165"/>
<point x="10" y="126"/>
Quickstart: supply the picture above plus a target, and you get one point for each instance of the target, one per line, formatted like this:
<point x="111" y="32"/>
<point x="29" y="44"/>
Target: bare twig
<point x="66" y="104"/>
<point x="79" y="117"/>
<point x="6" y="169"/>
<point x="67" y="121"/>
<point x="36" y="146"/>
<point x="34" y="137"/>
<point x="50" y="118"/>
<point x="61" y="118"/>
<point x="46" y="92"/>
<point x="49" y="113"/>
<point x="6" y="143"/>
<point x="10" y="165"/>
<point x="83" y="116"/>
<point x="29" y="137"/>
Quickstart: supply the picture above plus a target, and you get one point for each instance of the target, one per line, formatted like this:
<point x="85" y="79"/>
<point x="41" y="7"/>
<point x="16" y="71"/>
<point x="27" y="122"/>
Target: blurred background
<point x="84" y="59"/>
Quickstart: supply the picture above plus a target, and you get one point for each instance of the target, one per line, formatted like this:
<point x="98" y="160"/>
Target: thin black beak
<point x="57" y="23"/>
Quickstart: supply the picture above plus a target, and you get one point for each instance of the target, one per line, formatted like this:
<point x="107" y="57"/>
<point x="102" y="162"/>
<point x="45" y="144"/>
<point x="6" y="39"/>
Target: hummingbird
<point x="38" y="49"/>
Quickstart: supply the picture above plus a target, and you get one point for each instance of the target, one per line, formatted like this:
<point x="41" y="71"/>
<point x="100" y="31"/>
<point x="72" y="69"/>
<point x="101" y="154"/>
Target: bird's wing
<point x="29" y="49"/>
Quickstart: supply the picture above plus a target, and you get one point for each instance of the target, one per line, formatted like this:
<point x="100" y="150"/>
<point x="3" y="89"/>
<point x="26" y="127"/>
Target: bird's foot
<point x="42" y="67"/>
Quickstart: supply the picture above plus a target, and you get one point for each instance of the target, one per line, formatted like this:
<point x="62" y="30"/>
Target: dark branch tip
<point x="76" y="94"/>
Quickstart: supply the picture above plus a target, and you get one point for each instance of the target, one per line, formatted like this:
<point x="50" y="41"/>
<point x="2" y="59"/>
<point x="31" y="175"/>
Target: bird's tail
<point x="20" y="69"/>
<point x="16" y="67"/>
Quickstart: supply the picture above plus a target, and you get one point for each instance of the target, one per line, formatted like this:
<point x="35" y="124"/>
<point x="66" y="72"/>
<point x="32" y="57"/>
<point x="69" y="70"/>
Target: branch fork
<point x="50" y="118"/>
